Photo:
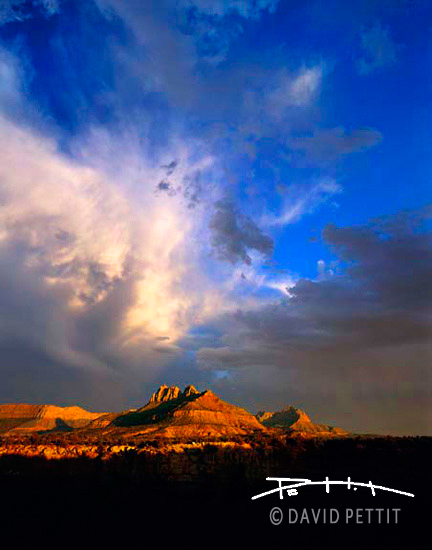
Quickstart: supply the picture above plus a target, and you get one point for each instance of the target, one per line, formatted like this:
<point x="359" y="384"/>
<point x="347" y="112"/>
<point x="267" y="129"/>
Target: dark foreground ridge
<point x="205" y="490"/>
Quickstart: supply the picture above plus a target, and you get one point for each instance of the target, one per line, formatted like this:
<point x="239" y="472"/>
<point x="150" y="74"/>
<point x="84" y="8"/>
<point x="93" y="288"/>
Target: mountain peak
<point x="187" y="414"/>
<point x="190" y="390"/>
<point x="165" y="393"/>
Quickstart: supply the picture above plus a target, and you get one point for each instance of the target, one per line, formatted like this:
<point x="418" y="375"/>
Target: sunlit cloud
<point x="86" y="234"/>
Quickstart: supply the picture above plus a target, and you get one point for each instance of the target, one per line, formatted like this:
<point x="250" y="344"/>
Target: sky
<point x="230" y="194"/>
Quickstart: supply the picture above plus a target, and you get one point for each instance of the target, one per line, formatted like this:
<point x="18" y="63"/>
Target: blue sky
<point x="182" y="180"/>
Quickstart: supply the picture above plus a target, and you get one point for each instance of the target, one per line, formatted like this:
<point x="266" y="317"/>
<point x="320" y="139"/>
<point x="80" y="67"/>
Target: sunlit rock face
<point x="176" y="414"/>
<point x="171" y="414"/>
<point x="25" y="418"/>
<point x="287" y="417"/>
<point x="298" y="422"/>
<point x="165" y="393"/>
<point x="190" y="390"/>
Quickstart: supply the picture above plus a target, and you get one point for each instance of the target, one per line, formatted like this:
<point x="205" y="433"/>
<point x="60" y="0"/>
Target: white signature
<point x="301" y="482"/>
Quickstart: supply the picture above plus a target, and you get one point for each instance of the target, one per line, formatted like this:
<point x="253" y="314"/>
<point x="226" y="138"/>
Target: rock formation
<point x="190" y="390"/>
<point x="170" y="413"/>
<point x="189" y="414"/>
<point x="165" y="393"/>
<point x="297" y="422"/>
<point x="26" y="418"/>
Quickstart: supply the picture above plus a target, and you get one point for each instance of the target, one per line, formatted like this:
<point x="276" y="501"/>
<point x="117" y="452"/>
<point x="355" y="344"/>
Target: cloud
<point x="188" y="32"/>
<point x="10" y="101"/>
<point x="102" y="268"/>
<point x="382" y="297"/>
<point x="249" y="9"/>
<point x="234" y="234"/>
<point x="102" y="273"/>
<point x="170" y="168"/>
<point x="19" y="10"/>
<point x="299" y="200"/>
<point x="379" y="50"/>
<point x="298" y="91"/>
<point x="352" y="337"/>
<point x="304" y="87"/>
<point x="329" y="144"/>
<point x="80" y="238"/>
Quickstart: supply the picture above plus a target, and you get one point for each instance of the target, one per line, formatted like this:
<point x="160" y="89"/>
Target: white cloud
<point x="87" y="233"/>
<point x="300" y="200"/>
<point x="305" y="86"/>
<point x="298" y="91"/>
<point x="95" y="244"/>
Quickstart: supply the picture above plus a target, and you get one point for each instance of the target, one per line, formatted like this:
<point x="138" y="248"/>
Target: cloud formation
<point x="234" y="234"/>
<point x="294" y="91"/>
<point x="19" y="10"/>
<point x="299" y="200"/>
<point x="329" y="144"/>
<point x="354" y="336"/>
<point x="83" y="242"/>
<point x="245" y="8"/>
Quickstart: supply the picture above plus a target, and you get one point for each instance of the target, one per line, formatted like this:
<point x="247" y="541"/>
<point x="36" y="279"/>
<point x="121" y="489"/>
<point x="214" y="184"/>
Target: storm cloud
<point x="357" y="335"/>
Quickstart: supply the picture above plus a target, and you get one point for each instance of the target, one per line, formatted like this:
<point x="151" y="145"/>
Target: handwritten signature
<point x="301" y="482"/>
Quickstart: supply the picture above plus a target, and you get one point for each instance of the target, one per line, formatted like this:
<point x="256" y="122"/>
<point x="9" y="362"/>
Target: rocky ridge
<point x="297" y="422"/>
<point x="170" y="414"/>
<point x="25" y="418"/>
<point x="173" y="413"/>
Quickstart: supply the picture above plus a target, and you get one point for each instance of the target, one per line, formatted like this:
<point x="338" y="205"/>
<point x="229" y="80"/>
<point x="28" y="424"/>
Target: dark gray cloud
<point x="358" y="337"/>
<point x="191" y="187"/>
<point x="166" y="187"/>
<point x="170" y="167"/>
<point x="331" y="143"/>
<point x="234" y="234"/>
